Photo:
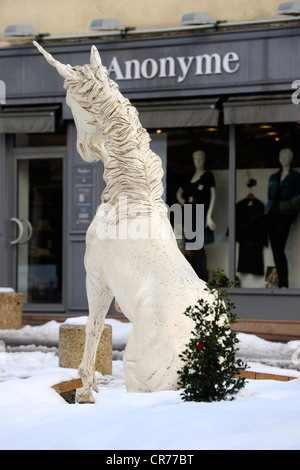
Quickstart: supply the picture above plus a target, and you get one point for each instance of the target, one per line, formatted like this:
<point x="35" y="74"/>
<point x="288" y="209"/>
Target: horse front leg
<point x="99" y="300"/>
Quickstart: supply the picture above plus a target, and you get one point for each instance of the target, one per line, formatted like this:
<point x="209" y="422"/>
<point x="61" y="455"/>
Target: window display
<point x="200" y="189"/>
<point x="267" y="222"/>
<point x="267" y="200"/>
<point x="197" y="174"/>
<point x="251" y="234"/>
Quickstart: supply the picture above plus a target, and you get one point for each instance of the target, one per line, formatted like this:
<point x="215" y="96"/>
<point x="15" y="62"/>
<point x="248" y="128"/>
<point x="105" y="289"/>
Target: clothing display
<point x="198" y="192"/>
<point x="284" y="196"/>
<point x="278" y="226"/>
<point x="251" y="234"/>
<point x="281" y="211"/>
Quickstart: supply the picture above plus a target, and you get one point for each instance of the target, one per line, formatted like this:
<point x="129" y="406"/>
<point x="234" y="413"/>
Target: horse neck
<point x="131" y="168"/>
<point x="134" y="176"/>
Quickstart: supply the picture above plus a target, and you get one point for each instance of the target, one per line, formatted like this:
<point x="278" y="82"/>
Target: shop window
<point x="267" y="205"/>
<point x="181" y="145"/>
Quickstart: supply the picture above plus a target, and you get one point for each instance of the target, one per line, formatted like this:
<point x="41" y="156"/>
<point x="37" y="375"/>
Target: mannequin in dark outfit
<point x="251" y="233"/>
<point x="282" y="210"/>
<point x="200" y="189"/>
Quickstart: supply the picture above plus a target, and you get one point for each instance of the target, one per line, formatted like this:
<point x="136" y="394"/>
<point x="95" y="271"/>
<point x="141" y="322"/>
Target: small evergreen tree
<point x="210" y="370"/>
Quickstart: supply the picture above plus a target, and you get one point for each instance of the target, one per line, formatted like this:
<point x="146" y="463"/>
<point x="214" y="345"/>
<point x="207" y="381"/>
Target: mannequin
<point x="200" y="189"/>
<point x="251" y="233"/>
<point x="281" y="211"/>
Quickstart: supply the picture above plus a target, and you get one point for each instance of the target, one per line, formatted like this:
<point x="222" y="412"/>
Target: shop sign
<point x="178" y="67"/>
<point x="251" y="62"/>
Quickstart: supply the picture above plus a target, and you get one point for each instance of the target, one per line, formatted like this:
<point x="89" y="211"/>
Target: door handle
<point x="29" y="231"/>
<point x="21" y="231"/>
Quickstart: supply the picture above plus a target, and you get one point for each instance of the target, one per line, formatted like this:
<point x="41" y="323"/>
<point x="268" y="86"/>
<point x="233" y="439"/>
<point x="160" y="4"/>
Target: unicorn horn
<point x="95" y="57"/>
<point x="62" y="69"/>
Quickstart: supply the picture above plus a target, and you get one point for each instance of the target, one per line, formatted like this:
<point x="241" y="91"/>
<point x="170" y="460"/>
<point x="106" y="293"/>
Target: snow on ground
<point x="264" y="415"/>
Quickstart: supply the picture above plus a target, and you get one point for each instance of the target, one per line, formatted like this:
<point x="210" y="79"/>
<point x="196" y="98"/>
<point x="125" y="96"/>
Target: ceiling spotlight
<point x="289" y="8"/>
<point x="20" y="30"/>
<point x="199" y="17"/>
<point x="106" y="24"/>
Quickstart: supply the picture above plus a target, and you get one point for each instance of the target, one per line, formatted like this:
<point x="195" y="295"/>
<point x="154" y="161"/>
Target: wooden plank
<point x="264" y="376"/>
<point x="68" y="386"/>
<point x="247" y="374"/>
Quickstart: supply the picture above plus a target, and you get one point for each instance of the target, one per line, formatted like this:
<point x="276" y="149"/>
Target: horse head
<point x="81" y="82"/>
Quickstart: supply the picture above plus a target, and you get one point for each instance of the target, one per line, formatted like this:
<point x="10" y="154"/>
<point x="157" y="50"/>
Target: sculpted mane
<point x="131" y="168"/>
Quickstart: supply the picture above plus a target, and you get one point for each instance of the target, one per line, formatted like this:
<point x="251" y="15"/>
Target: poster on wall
<point x="83" y="197"/>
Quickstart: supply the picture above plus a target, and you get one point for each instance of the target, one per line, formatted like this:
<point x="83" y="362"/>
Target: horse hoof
<point x="84" y="396"/>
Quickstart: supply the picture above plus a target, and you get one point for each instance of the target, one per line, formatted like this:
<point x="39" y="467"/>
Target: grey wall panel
<point x="276" y="305"/>
<point x="77" y="299"/>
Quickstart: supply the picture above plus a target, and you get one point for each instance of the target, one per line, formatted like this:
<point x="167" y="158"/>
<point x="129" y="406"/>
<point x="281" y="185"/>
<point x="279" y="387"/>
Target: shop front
<point x="229" y="94"/>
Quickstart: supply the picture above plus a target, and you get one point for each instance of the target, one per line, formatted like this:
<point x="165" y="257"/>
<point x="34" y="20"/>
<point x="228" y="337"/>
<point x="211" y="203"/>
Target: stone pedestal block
<point x="11" y="309"/>
<point x="71" y="347"/>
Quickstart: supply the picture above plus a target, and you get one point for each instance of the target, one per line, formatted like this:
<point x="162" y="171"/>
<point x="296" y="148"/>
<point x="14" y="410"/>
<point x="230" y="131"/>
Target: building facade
<point x="230" y="90"/>
<point x="71" y="17"/>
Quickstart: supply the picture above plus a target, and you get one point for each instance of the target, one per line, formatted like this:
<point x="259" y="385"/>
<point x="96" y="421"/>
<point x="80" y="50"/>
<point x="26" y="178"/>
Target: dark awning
<point x="29" y="120"/>
<point x="178" y="114"/>
<point x="257" y="109"/>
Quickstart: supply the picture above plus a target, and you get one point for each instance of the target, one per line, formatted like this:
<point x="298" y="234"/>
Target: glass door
<point x="39" y="222"/>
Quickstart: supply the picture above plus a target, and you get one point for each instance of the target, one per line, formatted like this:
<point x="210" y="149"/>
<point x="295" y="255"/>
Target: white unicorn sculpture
<point x="150" y="279"/>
